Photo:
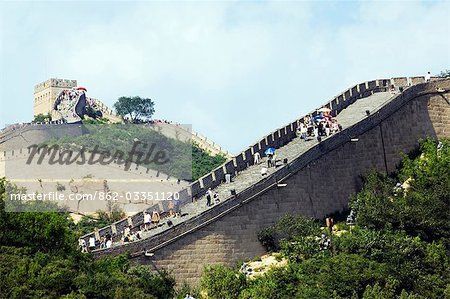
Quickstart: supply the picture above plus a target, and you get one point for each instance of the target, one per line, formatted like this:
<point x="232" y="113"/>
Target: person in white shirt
<point x="147" y="220"/>
<point x="257" y="158"/>
<point x="82" y="244"/>
<point x="303" y="131"/>
<point x="428" y="77"/>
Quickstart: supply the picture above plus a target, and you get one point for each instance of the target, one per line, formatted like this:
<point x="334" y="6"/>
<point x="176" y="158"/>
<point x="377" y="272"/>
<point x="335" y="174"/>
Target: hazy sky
<point x="235" y="71"/>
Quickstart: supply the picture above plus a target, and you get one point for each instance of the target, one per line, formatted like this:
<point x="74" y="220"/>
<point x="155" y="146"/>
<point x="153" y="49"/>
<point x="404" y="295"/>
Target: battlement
<point x="53" y="82"/>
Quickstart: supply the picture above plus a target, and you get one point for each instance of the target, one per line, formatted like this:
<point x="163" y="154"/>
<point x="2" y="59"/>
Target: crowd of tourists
<point x="161" y="121"/>
<point x="66" y="101"/>
<point x="322" y="125"/>
<point x="319" y="126"/>
<point x="128" y="234"/>
<point x="105" y="242"/>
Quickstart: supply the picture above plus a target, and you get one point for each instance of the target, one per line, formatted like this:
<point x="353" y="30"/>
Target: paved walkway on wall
<point x="251" y="175"/>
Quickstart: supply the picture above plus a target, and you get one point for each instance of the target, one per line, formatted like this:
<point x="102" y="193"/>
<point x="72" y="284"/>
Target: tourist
<point x="209" y="196"/>
<point x="82" y="244"/>
<point x="138" y="234"/>
<point x="334" y="126"/>
<point x="156" y="218"/>
<point x="171" y="206"/>
<point x="216" y="197"/>
<point x="309" y="126"/>
<point x="327" y="129"/>
<point x="177" y="209"/>
<point x="428" y="77"/>
<point x="132" y="237"/>
<point x="269" y="160"/>
<point x="392" y="89"/>
<point x="102" y="242"/>
<point x="256" y="158"/>
<point x="127" y="238"/>
<point x="147" y="220"/>
<point x="108" y="243"/>
<point x="127" y="230"/>
<point x="303" y="131"/>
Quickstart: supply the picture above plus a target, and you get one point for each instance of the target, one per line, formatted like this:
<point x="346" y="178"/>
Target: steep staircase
<point x="290" y="151"/>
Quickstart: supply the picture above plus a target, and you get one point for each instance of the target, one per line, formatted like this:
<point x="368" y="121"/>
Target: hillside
<point x="187" y="160"/>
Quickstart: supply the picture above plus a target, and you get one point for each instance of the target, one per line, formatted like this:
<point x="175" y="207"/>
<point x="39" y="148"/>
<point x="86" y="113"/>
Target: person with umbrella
<point x="270" y="152"/>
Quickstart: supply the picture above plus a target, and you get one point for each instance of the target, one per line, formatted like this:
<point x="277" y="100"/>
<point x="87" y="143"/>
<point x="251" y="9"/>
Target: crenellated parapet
<point x="53" y="82"/>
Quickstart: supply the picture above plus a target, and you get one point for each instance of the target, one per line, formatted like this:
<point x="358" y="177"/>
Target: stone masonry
<point x="319" y="182"/>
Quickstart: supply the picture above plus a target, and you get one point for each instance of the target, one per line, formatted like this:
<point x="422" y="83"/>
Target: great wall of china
<point x="317" y="179"/>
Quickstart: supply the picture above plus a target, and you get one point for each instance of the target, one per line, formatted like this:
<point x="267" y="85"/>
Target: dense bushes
<point x="288" y="229"/>
<point x="203" y="162"/>
<point x="421" y="206"/>
<point x="39" y="259"/>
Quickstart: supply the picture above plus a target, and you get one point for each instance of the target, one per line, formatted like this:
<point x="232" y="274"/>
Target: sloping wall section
<point x="318" y="182"/>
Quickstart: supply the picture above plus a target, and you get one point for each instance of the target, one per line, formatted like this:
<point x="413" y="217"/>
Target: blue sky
<point x="234" y="70"/>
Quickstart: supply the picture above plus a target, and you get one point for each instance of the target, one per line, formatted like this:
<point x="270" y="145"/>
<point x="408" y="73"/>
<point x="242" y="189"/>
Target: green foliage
<point x="203" y="162"/>
<point x="288" y="229"/>
<point x="41" y="118"/>
<point x="222" y="282"/>
<point x="95" y="121"/>
<point x="136" y="109"/>
<point x="187" y="289"/>
<point x="276" y="283"/>
<point x="39" y="259"/>
<point x="422" y="210"/>
<point x="416" y="265"/>
<point x="39" y="231"/>
<point x="378" y="292"/>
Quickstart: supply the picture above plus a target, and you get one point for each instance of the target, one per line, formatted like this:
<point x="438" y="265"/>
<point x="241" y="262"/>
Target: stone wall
<point x="278" y="138"/>
<point x="318" y="182"/>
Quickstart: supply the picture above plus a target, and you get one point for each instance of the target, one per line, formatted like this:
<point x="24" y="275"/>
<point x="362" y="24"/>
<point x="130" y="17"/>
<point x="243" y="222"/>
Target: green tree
<point x="220" y="282"/>
<point x="41" y="118"/>
<point x="135" y="109"/>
